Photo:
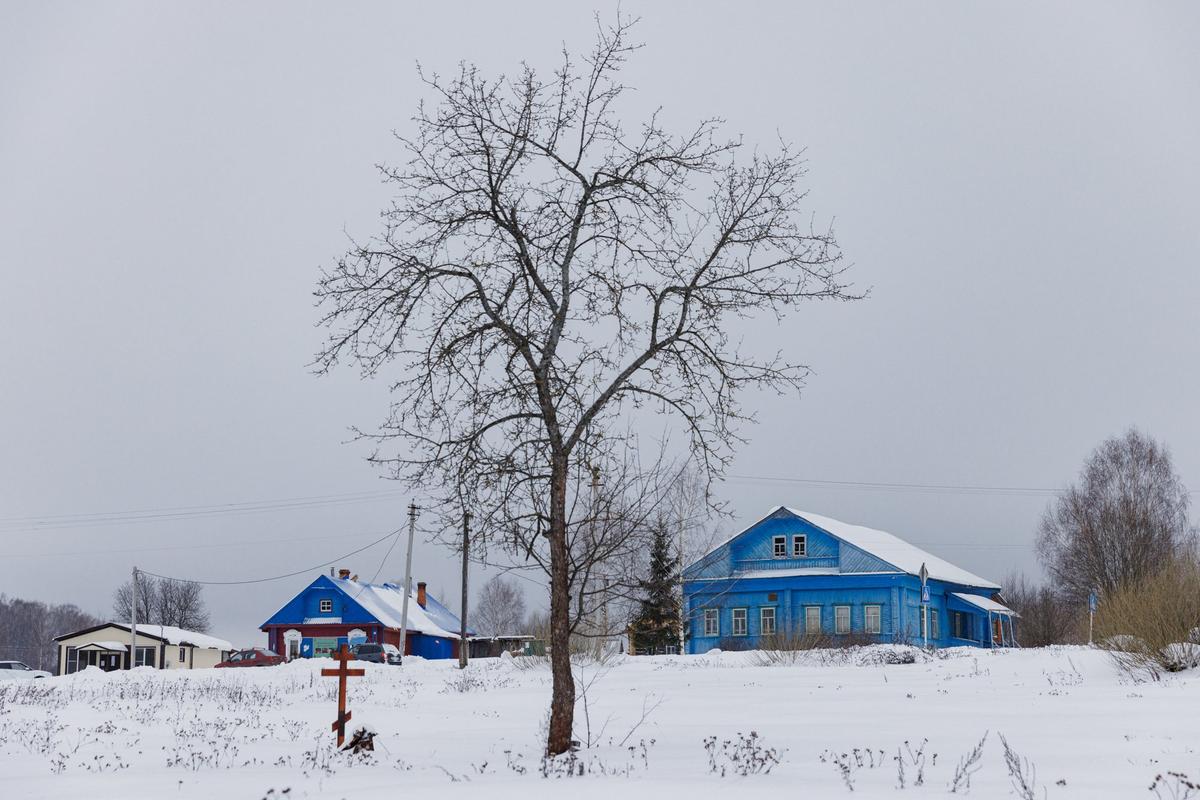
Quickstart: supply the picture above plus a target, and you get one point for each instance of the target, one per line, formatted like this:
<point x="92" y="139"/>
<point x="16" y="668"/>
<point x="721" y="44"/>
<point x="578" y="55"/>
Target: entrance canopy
<point x="108" y="647"/>
<point x="985" y="604"/>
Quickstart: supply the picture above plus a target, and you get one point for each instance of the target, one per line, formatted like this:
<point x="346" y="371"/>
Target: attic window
<point x="780" y="547"/>
<point x="799" y="546"/>
<point x="326" y="606"/>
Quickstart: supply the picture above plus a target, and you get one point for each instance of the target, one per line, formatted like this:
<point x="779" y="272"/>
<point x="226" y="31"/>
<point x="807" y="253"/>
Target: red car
<point x="254" y="657"/>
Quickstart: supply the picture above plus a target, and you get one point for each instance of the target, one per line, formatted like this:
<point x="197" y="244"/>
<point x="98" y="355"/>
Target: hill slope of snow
<point x="822" y="724"/>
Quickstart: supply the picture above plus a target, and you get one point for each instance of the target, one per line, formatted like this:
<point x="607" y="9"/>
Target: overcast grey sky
<point x="1016" y="183"/>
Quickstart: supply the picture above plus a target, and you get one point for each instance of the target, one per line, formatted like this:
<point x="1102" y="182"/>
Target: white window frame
<point x="779" y="547"/>
<point x="712" y="622"/>
<point x="72" y="661"/>
<point x="182" y="654"/>
<point x="935" y="627"/>
<point x="837" y="620"/>
<point x="765" y="613"/>
<point x="877" y="628"/>
<point x="800" y="546"/>
<point x="326" y="605"/>
<point x="742" y="617"/>
<point x="808" y="629"/>
<point x="143" y="656"/>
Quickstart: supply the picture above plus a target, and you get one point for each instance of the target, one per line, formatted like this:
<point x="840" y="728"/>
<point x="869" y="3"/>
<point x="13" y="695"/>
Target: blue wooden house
<point x="794" y="574"/>
<point x="330" y="612"/>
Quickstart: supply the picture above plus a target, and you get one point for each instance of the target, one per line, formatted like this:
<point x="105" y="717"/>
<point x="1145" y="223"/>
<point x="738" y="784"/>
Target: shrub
<point x="1149" y="626"/>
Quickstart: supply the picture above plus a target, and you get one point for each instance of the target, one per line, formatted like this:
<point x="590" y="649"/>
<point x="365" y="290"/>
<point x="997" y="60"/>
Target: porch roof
<point x="985" y="603"/>
<point x="115" y="647"/>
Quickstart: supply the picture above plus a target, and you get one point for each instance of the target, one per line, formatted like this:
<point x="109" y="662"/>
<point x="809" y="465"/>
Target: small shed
<point x="159" y="646"/>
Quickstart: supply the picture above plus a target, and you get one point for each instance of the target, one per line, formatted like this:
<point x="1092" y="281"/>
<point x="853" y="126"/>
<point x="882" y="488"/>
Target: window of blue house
<point x="812" y="620"/>
<point x="766" y="621"/>
<point x="779" y="546"/>
<point x="799" y="546"/>
<point x="935" y="630"/>
<point x="873" y="619"/>
<point x="326" y="606"/>
<point x="739" y="622"/>
<point x="841" y="619"/>
<point x="712" y="622"/>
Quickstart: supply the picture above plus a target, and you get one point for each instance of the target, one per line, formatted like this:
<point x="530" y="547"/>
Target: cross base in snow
<point x="344" y="656"/>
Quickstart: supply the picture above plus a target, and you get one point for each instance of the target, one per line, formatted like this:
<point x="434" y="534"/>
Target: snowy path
<point x="1088" y="731"/>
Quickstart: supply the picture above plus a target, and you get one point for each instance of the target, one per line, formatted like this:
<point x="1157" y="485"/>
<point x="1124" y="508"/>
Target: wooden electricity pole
<point x="462" y="633"/>
<point x="412" y="524"/>
<point x="133" y="600"/>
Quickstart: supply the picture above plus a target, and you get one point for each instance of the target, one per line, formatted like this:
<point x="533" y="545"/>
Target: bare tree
<point x="500" y="608"/>
<point x="28" y="628"/>
<point x="164" y="602"/>
<point x="1045" y="617"/>
<point x="1124" y="520"/>
<point x="545" y="274"/>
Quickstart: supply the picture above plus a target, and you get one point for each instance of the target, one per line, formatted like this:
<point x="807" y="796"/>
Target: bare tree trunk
<point x="562" y="700"/>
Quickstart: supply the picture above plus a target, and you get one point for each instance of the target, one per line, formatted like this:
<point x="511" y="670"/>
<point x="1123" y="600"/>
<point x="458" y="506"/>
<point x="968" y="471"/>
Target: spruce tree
<point x="656" y="625"/>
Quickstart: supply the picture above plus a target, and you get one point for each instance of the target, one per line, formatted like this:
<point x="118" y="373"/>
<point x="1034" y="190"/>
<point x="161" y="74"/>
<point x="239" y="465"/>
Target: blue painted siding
<point x="737" y="576"/>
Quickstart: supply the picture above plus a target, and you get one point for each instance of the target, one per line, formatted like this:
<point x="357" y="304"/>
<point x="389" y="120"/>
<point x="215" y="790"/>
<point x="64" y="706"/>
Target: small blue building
<point x="794" y="574"/>
<point x="330" y="612"/>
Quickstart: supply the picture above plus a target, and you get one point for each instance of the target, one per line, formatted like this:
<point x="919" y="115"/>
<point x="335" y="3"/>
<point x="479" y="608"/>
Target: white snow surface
<point x="1089" y="730"/>
<point x="894" y="550"/>
<point x="987" y="604"/>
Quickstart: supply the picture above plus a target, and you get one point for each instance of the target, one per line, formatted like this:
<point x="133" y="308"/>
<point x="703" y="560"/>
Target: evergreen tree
<point x="656" y="625"/>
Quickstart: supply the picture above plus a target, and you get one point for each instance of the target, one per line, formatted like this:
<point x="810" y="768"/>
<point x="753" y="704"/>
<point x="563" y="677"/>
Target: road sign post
<point x="1093" y="601"/>
<point x="924" y="573"/>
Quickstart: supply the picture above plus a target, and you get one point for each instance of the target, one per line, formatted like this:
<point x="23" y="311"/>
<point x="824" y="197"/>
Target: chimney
<point x="343" y="574"/>
<point x="421" y="593"/>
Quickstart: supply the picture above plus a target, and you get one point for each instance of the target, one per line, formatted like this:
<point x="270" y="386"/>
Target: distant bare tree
<point x="1046" y="617"/>
<point x="163" y="602"/>
<point x="500" y="608"/>
<point x="544" y="275"/>
<point x="1124" y="520"/>
<point x="28" y="628"/>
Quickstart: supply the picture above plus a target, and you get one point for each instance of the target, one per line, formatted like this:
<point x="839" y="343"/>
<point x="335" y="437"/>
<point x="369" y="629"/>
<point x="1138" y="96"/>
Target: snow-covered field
<point x="838" y="723"/>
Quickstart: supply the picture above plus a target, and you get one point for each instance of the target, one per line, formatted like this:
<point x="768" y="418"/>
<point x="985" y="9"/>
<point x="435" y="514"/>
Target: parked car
<point x="254" y="657"/>
<point x="16" y="671"/>
<point x="376" y="653"/>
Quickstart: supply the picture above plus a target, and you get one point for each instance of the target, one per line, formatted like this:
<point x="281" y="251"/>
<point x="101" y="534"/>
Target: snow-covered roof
<point x="881" y="544"/>
<point x="894" y="550"/>
<point x="987" y="604"/>
<point x="385" y="602"/>
<point x="177" y="636"/>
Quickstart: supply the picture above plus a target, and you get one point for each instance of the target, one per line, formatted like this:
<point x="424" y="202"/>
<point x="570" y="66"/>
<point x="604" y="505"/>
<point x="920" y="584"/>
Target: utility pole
<point x="133" y="600"/>
<point x="462" y="634"/>
<point x="679" y="566"/>
<point x="592" y="536"/>
<point x="413" y="508"/>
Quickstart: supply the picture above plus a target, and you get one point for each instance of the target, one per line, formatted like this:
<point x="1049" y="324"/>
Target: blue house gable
<point x="794" y="575"/>
<point x="322" y="602"/>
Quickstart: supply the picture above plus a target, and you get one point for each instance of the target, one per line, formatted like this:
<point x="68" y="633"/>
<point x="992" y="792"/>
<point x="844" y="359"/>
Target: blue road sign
<point x="1092" y="602"/>
<point x="925" y="594"/>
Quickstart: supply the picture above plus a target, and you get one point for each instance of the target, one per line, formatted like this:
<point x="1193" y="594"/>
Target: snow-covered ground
<point x="838" y="723"/>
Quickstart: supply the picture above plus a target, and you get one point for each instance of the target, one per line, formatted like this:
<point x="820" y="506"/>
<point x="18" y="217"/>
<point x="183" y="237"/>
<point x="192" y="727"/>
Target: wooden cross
<point x="341" y="673"/>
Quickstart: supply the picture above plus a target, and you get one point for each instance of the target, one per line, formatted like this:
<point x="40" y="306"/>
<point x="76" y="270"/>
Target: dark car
<point x="376" y="653"/>
<point x="254" y="657"/>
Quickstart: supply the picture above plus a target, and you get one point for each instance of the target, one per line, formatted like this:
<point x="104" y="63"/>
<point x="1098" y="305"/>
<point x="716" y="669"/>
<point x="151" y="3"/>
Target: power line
<point x="903" y="487"/>
<point x="101" y="518"/>
<point x="217" y="546"/>
<point x="275" y="577"/>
